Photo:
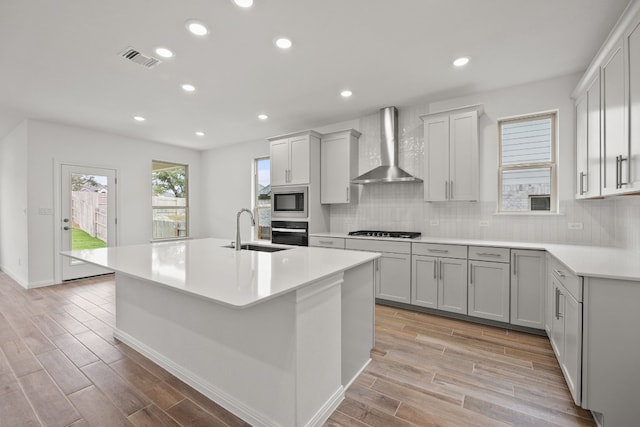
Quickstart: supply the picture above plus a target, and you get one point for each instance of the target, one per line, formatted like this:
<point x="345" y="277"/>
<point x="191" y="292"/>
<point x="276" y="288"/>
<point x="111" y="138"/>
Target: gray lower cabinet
<point x="489" y="290"/>
<point x="394" y="267"/>
<point x="528" y="275"/>
<point x="439" y="282"/>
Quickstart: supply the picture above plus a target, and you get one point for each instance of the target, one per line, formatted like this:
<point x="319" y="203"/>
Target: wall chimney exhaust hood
<point x="388" y="171"/>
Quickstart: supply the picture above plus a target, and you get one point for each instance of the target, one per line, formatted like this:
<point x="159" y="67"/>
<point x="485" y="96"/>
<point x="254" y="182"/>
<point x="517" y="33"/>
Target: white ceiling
<point x="59" y="59"/>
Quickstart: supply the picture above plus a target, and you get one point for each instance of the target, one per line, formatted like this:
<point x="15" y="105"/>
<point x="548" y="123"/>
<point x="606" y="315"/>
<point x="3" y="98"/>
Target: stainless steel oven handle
<point x="290" y="230"/>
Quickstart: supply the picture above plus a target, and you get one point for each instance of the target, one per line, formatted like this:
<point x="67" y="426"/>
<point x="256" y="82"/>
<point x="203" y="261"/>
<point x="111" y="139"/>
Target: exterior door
<point x="87" y="215"/>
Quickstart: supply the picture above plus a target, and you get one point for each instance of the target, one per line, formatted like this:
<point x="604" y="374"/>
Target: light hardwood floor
<point x="60" y="365"/>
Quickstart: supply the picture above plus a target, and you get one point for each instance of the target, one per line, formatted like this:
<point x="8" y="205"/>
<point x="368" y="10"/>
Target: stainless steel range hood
<point x="388" y="171"/>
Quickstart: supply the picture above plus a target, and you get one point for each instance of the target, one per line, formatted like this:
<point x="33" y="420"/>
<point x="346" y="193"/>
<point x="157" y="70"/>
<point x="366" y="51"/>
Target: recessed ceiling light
<point x="164" y="52"/>
<point x="197" y="27"/>
<point x="244" y="3"/>
<point x="139" y="118"/>
<point x="461" y="61"/>
<point x="346" y="93"/>
<point x="283" y="43"/>
<point x="199" y="133"/>
<point x="188" y="87"/>
<point x="263" y="116"/>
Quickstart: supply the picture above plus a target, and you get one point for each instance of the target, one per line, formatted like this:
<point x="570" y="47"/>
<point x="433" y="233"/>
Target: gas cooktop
<point x="391" y="234"/>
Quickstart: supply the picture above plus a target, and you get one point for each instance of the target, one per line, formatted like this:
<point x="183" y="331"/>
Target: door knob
<point x="65" y="220"/>
<point x="66" y="228"/>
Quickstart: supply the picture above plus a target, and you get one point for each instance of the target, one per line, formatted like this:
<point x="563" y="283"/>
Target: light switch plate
<point x="45" y="211"/>
<point x="483" y="223"/>
<point x="434" y="223"/>
<point x="575" y="226"/>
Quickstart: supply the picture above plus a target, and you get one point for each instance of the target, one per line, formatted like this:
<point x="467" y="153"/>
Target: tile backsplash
<point x="401" y="207"/>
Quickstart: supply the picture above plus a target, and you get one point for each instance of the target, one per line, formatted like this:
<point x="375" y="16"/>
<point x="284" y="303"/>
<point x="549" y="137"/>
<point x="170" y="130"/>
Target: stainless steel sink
<point x="259" y="248"/>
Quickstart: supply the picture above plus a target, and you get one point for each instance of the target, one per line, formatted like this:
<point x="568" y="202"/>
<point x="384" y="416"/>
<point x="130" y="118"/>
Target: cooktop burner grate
<point x="390" y="234"/>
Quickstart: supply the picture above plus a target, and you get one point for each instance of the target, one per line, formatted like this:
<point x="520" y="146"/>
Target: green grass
<point x="82" y="240"/>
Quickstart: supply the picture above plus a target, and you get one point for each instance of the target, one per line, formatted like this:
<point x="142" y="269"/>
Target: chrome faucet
<point x="253" y="222"/>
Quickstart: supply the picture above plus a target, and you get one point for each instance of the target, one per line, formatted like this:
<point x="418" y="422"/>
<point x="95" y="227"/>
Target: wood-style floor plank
<point x="59" y="363"/>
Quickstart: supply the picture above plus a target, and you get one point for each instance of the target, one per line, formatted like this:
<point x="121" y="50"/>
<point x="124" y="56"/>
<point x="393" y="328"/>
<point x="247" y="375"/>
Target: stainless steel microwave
<point x="289" y="202"/>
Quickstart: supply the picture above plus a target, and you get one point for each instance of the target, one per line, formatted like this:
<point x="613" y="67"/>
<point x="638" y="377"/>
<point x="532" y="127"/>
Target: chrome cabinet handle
<point x="446" y="190"/>
<point x="581" y="183"/>
<point x="438" y="251"/>
<point x="450" y="190"/>
<point x="557" y="303"/>
<point x="347" y="194"/>
<point x="623" y="159"/>
<point x="617" y="171"/>
<point x="435" y="274"/>
<point x="559" y="273"/>
<point x="441" y="271"/>
<point x="326" y="242"/>
<point x="489" y="254"/>
<point x="515" y="270"/>
<point x="471" y="274"/>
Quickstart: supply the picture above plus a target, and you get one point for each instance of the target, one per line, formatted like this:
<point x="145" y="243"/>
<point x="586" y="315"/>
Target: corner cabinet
<point x="528" y="276"/>
<point x="451" y="154"/>
<point x="338" y="166"/>
<point x="291" y="157"/>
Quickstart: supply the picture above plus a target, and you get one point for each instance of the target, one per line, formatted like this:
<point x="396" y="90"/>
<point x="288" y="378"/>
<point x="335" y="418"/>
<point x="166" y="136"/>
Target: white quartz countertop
<point x="202" y="267"/>
<point x="587" y="261"/>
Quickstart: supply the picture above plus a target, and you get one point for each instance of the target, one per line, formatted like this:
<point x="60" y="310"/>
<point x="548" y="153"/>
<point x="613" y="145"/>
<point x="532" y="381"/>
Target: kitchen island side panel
<point x="246" y="360"/>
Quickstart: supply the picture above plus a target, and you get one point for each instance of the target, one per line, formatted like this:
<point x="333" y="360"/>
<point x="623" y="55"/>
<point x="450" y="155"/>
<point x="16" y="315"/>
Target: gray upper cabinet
<point x="338" y="166"/>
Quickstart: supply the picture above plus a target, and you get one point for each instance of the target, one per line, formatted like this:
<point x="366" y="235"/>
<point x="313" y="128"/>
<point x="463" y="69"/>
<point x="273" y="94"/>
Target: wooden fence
<point x="89" y="213"/>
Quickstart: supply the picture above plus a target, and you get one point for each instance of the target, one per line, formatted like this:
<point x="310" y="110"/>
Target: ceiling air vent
<point x="139" y="58"/>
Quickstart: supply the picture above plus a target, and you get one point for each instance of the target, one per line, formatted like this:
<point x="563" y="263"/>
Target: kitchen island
<point x="275" y="338"/>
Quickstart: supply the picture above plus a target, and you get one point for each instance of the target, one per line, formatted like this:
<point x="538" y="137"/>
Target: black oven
<point x="289" y="202"/>
<point x="290" y="233"/>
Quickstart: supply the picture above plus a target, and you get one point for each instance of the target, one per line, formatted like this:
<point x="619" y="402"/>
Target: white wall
<point x="227" y="181"/>
<point x="401" y="206"/>
<point x="13" y="205"/>
<point x="50" y="143"/>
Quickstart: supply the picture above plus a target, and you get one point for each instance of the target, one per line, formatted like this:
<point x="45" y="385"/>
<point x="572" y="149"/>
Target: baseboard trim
<point x="219" y="396"/>
<point x="14" y="277"/>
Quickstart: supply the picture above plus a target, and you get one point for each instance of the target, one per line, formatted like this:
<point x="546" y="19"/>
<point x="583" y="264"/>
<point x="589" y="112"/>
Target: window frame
<point x="552" y="164"/>
<point x="257" y="208"/>
<point x="185" y="207"/>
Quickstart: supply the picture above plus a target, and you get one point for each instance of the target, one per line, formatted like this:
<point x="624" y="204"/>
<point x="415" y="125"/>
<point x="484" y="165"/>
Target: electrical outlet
<point x="575" y="226"/>
<point x="434" y="223"/>
<point x="483" y="223"/>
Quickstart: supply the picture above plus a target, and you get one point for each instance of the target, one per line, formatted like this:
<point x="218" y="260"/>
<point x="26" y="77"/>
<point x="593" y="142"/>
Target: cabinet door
<point x="549" y="306"/>
<point x="436" y="152"/>
<point x="528" y="275"/>
<point x="335" y="173"/>
<point x="279" y="162"/>
<point x="557" y="321"/>
<point x="582" y="153"/>
<point x="395" y="278"/>
<point x="633" y="72"/>
<point x="452" y="285"/>
<point x="592" y="186"/>
<point x="571" y="362"/>
<point x="615" y="143"/>
<point x="489" y="290"/>
<point x="299" y="160"/>
<point x="463" y="156"/>
<point x="424" y="281"/>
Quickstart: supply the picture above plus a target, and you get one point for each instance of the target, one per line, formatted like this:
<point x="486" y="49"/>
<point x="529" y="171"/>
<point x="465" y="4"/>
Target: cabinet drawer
<point x="570" y="281"/>
<point x="327" y="242"/>
<point x="445" y="251"/>
<point x="487" y="253"/>
<point x="378" y="246"/>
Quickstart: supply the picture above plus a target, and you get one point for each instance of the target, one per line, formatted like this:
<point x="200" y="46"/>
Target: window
<point x="527" y="175"/>
<point x="169" y="200"/>
<point x="262" y="202"/>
